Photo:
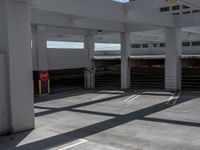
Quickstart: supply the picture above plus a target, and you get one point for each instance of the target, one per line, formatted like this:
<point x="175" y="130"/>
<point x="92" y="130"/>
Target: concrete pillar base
<point x="125" y="67"/>
<point x="89" y="74"/>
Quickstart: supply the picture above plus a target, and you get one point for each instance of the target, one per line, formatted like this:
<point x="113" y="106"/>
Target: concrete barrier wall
<point x="78" y="58"/>
<point x="67" y="59"/>
<point x="63" y="59"/>
<point x="191" y="50"/>
<point x="35" y="59"/>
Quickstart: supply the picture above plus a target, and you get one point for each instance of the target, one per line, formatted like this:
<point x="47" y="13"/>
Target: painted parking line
<point x="82" y="141"/>
<point x="112" y="92"/>
<point x="133" y="97"/>
<point x="100" y="97"/>
<point x="174" y="98"/>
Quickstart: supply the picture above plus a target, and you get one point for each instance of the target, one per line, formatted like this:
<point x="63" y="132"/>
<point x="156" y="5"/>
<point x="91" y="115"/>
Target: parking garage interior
<point x="190" y="74"/>
<point x="107" y="74"/>
<point x="148" y="74"/>
<point x="64" y="80"/>
<point x="99" y="75"/>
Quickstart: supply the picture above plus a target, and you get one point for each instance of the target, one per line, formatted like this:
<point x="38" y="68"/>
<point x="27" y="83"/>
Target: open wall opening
<point x="68" y="79"/>
<point x="191" y="74"/>
<point x="107" y="61"/>
<point x="147" y="74"/>
<point x="107" y="74"/>
<point x="59" y="59"/>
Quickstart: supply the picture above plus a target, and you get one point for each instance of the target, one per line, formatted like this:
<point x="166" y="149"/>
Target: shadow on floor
<point x="60" y="95"/>
<point x="105" y="125"/>
<point x="101" y="126"/>
<point x="54" y="110"/>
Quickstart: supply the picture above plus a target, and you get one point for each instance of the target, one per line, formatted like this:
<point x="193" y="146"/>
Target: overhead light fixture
<point x="99" y="32"/>
<point x="171" y="2"/>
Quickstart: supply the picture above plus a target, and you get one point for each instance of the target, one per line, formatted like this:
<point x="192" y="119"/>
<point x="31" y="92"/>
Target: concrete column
<point x="42" y="53"/>
<point x="150" y="46"/>
<point x="90" y="71"/>
<point x="172" y="60"/>
<point x="16" y="35"/>
<point x="34" y="47"/>
<point x="40" y="60"/>
<point x="125" y="67"/>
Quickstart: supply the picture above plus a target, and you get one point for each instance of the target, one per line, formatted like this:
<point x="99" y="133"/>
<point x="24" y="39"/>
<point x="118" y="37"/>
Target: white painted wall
<point x="67" y="59"/>
<point x="63" y="59"/>
<point x="15" y="37"/>
<point x="3" y="96"/>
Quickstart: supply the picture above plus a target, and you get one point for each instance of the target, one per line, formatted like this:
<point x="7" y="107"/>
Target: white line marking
<point x="100" y="97"/>
<point x="173" y="98"/>
<point x="133" y="97"/>
<point x="82" y="141"/>
<point x="112" y="92"/>
<point x="176" y="98"/>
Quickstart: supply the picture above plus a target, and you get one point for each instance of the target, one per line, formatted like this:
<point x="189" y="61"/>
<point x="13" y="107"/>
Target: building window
<point x="145" y="45"/>
<point x="196" y="11"/>
<point x="135" y="45"/>
<point x="196" y="43"/>
<point x="177" y="7"/>
<point x="162" y="44"/>
<point x="163" y="9"/>
<point x="155" y="45"/>
<point x="186" y="44"/>
<point x="185" y="7"/>
<point x="175" y="13"/>
<point x="186" y="12"/>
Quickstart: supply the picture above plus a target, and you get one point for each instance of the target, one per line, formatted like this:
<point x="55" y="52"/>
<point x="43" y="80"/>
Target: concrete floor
<point x="113" y="120"/>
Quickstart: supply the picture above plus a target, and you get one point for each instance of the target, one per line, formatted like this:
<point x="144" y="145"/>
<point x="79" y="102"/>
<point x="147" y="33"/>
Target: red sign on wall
<point x="44" y="75"/>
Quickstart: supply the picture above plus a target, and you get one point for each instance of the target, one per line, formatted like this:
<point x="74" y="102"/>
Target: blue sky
<point x="122" y="1"/>
<point x="80" y="45"/>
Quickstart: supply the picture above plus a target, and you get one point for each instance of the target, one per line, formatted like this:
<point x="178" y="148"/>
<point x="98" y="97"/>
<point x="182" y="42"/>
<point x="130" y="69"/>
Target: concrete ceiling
<point x="152" y="36"/>
<point x="141" y="17"/>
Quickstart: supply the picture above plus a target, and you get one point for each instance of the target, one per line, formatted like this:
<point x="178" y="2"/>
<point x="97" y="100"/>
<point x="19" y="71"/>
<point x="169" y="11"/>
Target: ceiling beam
<point x="62" y="20"/>
<point x="106" y="10"/>
<point x="189" y="20"/>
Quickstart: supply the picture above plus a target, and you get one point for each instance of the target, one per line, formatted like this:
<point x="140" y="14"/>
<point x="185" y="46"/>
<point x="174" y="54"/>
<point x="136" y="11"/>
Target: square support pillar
<point x="42" y="53"/>
<point x="90" y="71"/>
<point x="172" y="59"/>
<point x="16" y="34"/>
<point x="89" y="78"/>
<point x="40" y="57"/>
<point x="125" y="67"/>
